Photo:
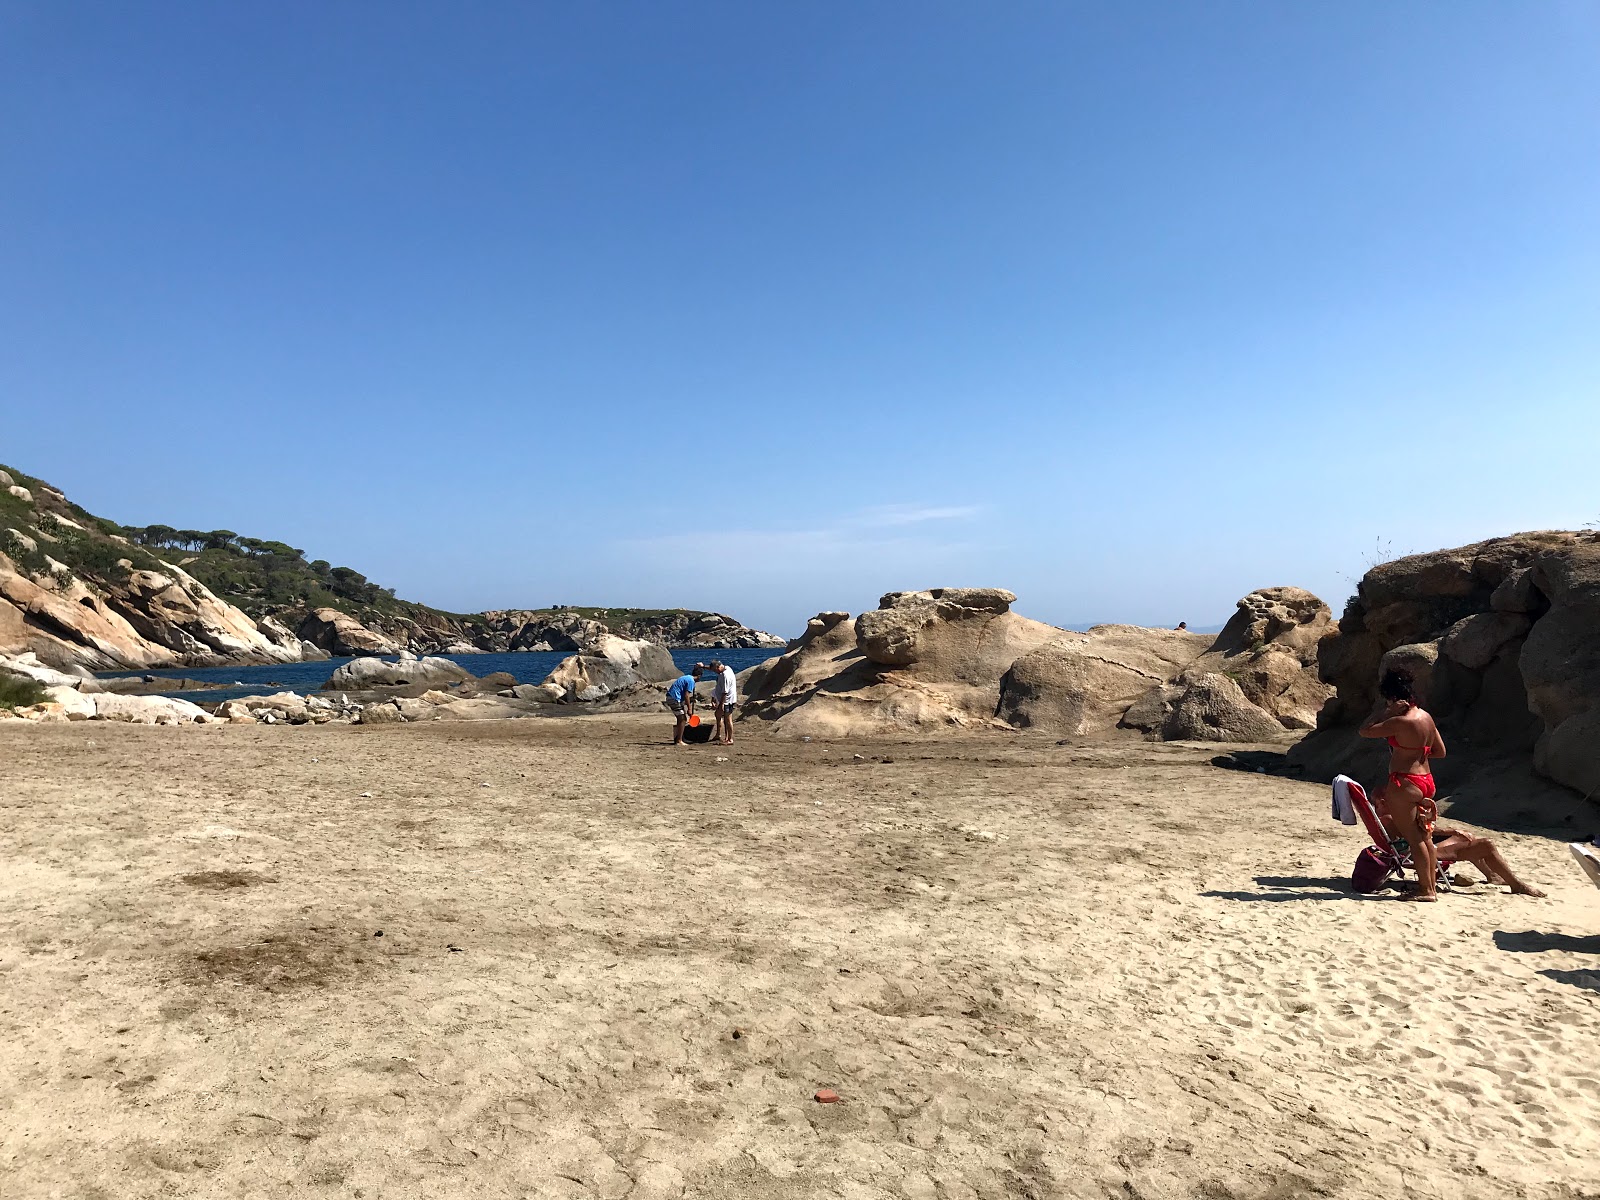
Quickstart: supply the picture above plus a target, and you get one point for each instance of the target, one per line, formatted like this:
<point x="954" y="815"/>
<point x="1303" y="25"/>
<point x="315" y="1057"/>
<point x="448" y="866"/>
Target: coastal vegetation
<point x="17" y="691"/>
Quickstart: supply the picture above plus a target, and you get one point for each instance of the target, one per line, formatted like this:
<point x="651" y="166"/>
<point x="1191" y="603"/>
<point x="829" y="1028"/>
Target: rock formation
<point x="361" y="674"/>
<point x="570" y="630"/>
<point x="340" y="635"/>
<point x="1502" y="640"/>
<point x="1094" y="682"/>
<point x="961" y="657"/>
<point x="609" y="664"/>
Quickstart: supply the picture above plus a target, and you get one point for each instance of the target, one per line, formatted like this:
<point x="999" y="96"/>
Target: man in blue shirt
<point x="680" y="699"/>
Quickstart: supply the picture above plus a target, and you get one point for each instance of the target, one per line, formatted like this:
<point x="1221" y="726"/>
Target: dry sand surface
<point x="609" y="968"/>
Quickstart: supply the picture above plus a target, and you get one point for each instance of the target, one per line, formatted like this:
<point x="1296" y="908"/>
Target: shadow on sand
<point x="1588" y="980"/>
<point x="1293" y="887"/>
<point x="1534" y="942"/>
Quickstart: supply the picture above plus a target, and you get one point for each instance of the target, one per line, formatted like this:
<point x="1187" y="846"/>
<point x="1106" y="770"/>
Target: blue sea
<point x="529" y="666"/>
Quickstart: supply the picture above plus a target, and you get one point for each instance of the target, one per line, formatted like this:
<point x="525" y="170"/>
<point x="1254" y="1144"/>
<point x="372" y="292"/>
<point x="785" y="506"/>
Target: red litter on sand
<point x="826" y="1096"/>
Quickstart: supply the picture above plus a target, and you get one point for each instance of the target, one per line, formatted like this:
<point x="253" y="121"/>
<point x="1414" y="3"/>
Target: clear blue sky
<point x="1129" y="308"/>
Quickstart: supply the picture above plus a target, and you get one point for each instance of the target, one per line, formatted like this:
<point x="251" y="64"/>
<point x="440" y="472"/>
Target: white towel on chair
<point x="1344" y="810"/>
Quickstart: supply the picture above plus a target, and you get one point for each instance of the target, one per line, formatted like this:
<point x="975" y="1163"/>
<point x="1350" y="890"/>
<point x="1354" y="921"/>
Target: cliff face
<point x="75" y="593"/>
<point x="1502" y="640"/>
<point x="78" y="590"/>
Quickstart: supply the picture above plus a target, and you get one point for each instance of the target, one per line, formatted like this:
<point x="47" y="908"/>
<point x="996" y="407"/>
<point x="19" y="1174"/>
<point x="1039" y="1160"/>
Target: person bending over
<point x="1407" y="799"/>
<point x="680" y="699"/>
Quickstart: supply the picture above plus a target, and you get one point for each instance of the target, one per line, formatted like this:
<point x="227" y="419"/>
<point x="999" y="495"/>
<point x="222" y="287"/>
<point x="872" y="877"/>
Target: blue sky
<point x="1128" y="308"/>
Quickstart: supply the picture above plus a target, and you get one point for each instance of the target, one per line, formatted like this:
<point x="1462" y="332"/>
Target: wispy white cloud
<point x="890" y="515"/>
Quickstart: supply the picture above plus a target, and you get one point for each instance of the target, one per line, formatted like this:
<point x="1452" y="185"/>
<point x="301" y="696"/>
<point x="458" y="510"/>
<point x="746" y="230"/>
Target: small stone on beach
<point x="826" y="1096"/>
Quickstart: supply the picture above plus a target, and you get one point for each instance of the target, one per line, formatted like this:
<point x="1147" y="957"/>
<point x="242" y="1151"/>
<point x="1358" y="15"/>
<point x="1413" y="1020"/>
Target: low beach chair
<point x="1389" y="857"/>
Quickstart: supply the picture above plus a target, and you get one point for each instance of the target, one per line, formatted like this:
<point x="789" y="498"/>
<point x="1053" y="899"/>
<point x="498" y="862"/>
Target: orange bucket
<point x="694" y="722"/>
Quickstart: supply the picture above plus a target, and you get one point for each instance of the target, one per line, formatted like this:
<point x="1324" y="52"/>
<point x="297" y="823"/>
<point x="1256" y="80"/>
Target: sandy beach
<point x="557" y="958"/>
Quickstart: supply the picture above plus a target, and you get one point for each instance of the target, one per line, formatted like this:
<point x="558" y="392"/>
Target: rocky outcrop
<point x="1086" y="683"/>
<point x="362" y="674"/>
<point x="920" y="661"/>
<point x="1502" y="641"/>
<point x="959" y="657"/>
<point x="702" y="630"/>
<point x="609" y="665"/>
<point x="144" y="618"/>
<point x="1213" y="708"/>
<point x="1270" y="649"/>
<point x="565" y="629"/>
<point x="71" y="593"/>
<point x="340" y="635"/>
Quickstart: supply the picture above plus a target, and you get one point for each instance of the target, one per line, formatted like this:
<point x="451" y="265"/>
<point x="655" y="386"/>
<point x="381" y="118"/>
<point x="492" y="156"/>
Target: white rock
<point x="148" y="710"/>
<point x="74" y="704"/>
<point x="28" y="664"/>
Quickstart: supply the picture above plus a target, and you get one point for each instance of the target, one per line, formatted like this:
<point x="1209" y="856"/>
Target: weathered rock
<point x="1517" y="593"/>
<point x="540" y="693"/>
<point x="1270" y="648"/>
<point x="1085" y="683"/>
<point x="28" y="665"/>
<point x="384" y="712"/>
<point x="416" y="708"/>
<point x="148" y="710"/>
<point x="1561" y="659"/>
<point x="896" y="633"/>
<point x="1570" y="753"/>
<point x="482" y="708"/>
<point x="1475" y="641"/>
<point x="1212" y="708"/>
<point x="1502" y="640"/>
<point x="361" y="673"/>
<point x="1290" y="619"/>
<point x="75" y="706"/>
<point x="285" y="706"/>
<point x="1150" y="711"/>
<point x="613" y="664"/>
<point x="341" y="635"/>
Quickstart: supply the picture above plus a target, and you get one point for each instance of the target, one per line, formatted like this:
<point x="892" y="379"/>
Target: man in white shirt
<point x="724" y="696"/>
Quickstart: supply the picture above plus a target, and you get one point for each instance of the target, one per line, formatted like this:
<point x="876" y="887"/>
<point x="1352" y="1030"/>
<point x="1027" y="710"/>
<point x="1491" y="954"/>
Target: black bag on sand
<point x="698" y="735"/>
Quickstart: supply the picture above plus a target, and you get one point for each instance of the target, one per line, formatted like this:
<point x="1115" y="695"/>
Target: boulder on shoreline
<point x="360" y="674"/>
<point x="608" y="665"/>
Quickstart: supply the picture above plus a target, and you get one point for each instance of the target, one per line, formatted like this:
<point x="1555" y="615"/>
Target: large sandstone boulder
<point x="1270" y="648"/>
<point x="1084" y="683"/>
<point x="342" y="636"/>
<point x="951" y="646"/>
<point x="1502" y="642"/>
<point x="611" y="665"/>
<point x="959" y="657"/>
<point x="360" y="674"/>
<point x="1212" y="708"/>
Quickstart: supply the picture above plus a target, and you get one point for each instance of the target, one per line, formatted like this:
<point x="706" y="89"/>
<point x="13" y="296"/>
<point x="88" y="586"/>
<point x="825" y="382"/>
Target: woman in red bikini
<point x="1408" y="799"/>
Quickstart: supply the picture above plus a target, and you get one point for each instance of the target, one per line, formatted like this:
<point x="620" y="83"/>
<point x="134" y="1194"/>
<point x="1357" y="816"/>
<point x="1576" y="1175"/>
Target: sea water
<point x="527" y="666"/>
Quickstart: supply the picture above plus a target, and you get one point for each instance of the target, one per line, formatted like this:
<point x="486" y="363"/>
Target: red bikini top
<point x="1426" y="749"/>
